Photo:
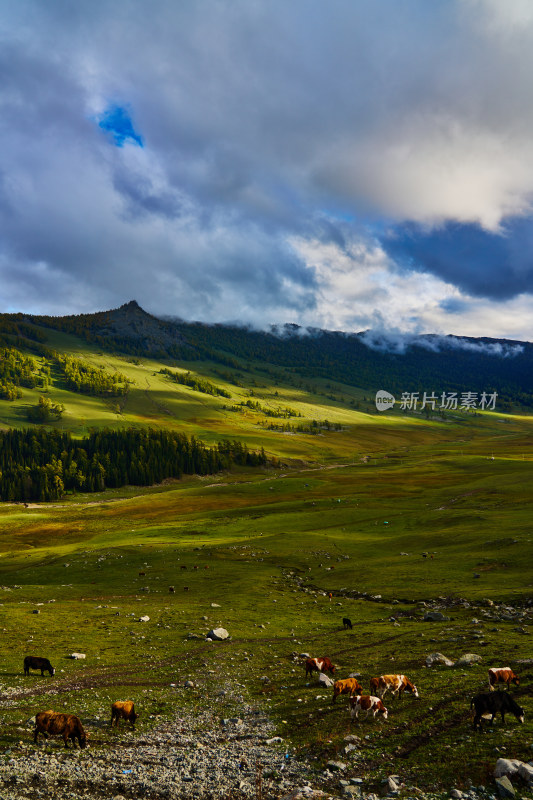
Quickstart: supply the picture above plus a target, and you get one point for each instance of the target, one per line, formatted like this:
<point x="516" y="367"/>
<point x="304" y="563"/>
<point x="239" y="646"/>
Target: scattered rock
<point x="392" y="784"/>
<point x="218" y="634"/>
<point x="77" y="656"/>
<point x="505" y="787"/>
<point x="506" y="766"/>
<point x="324" y="680"/>
<point x="435" y="616"/>
<point x="438" y="658"/>
<point x="144" y="619"/>
<point x="526" y="772"/>
<point x="336" y="766"/>
<point x="351" y="791"/>
<point x="467" y="660"/>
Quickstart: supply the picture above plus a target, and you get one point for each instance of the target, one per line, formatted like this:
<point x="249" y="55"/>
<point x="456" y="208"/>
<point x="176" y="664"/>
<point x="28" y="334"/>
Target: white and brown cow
<point x="368" y="703"/>
<point x="318" y="665"/>
<point x="502" y="675"/>
<point x="396" y="684"/>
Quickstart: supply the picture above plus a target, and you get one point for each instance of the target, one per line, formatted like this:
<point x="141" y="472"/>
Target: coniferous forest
<point x="43" y="465"/>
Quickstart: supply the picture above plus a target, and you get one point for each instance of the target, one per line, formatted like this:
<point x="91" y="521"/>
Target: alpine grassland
<point x="378" y="517"/>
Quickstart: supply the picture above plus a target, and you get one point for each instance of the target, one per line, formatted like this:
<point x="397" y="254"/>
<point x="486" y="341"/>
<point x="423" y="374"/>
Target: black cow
<point x="34" y="662"/>
<point x="492" y="703"/>
<point x="347" y="623"/>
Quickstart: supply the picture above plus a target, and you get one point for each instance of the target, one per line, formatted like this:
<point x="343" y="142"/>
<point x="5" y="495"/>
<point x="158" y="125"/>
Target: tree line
<point x="194" y="382"/>
<point x="43" y="465"/>
<point x="255" y="405"/>
<point x="16" y="370"/>
<point x="83" y="377"/>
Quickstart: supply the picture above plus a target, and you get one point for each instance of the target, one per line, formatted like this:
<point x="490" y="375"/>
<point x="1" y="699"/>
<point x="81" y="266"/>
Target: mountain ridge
<point x="369" y="360"/>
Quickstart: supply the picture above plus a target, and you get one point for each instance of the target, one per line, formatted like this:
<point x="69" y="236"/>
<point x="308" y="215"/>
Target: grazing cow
<point x="183" y="566"/>
<point x="366" y="702"/>
<point x="49" y="723"/>
<point x="142" y="574"/>
<point x="318" y="665"/>
<point x="348" y="686"/>
<point x="487" y="704"/>
<point x="502" y="675"/>
<point x="347" y="623"/>
<point x="171" y="589"/>
<point x="396" y="684"/>
<point x="34" y="662"/>
<point x="123" y="709"/>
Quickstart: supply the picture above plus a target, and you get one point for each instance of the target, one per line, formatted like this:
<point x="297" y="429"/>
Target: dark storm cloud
<point x="234" y="159"/>
<point x="497" y="265"/>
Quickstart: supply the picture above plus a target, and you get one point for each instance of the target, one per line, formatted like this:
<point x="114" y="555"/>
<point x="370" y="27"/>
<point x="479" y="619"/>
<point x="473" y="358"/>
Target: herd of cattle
<point x="488" y="704"/>
<point x="485" y="704"/>
<point x="52" y="723"/>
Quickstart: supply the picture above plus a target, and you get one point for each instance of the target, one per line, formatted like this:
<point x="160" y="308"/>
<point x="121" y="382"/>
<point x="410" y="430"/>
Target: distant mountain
<point x="366" y="360"/>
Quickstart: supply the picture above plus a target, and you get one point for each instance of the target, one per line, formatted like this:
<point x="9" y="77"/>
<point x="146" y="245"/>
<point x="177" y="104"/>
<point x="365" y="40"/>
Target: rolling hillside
<point x="127" y="367"/>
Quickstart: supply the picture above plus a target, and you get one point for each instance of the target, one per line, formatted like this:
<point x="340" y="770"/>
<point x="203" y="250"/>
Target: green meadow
<point x="397" y="505"/>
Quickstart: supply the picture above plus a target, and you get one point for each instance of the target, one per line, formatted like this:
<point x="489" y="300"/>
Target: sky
<point x="347" y="165"/>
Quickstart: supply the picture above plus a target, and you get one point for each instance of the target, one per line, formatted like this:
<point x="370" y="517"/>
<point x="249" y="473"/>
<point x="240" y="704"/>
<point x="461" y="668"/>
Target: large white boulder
<point x="217" y="634"/>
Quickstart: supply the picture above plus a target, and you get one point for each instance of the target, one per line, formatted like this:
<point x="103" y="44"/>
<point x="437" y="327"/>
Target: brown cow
<point x="50" y="723"/>
<point x="396" y="684"/>
<point x="123" y="709"/>
<point x="502" y="675"/>
<point x="318" y="665"/>
<point x="348" y="686"/>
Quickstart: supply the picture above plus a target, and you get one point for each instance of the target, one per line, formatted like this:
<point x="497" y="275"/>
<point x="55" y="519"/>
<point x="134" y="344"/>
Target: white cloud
<point x="358" y="288"/>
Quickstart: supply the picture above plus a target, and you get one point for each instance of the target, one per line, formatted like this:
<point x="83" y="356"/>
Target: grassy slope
<point x="426" y="486"/>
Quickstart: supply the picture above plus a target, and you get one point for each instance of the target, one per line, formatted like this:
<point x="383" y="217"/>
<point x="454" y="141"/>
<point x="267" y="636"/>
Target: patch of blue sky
<point x="116" y="121"/>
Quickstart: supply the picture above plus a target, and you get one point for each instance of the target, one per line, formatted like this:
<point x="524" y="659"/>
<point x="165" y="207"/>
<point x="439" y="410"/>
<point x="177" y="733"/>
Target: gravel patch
<point x="192" y="756"/>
